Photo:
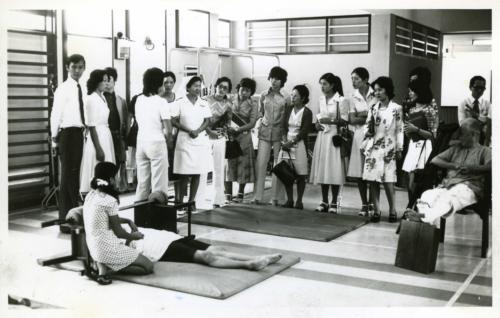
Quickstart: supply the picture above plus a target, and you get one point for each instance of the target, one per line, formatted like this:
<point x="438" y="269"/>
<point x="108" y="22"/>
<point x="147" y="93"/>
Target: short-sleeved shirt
<point x="328" y="109"/>
<point x="149" y="113"/>
<point x="96" y="110"/>
<point x="357" y="103"/>
<point x="477" y="155"/>
<point x="272" y="109"/>
<point x="466" y="106"/>
<point x="191" y="115"/>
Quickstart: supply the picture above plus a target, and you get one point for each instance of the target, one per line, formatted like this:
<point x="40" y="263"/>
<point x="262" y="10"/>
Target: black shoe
<point x="288" y="204"/>
<point x="375" y="218"/>
<point x="299" y="205"/>
<point x="64" y="229"/>
<point x="393" y="218"/>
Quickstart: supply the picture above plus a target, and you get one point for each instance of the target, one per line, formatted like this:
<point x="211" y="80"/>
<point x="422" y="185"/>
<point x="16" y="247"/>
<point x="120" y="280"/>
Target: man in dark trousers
<point x="67" y="122"/>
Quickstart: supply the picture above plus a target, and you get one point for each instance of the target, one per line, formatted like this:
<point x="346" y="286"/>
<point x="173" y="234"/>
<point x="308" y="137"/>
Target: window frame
<point x="411" y="39"/>
<point x="177" y="29"/>
<point x="327" y="33"/>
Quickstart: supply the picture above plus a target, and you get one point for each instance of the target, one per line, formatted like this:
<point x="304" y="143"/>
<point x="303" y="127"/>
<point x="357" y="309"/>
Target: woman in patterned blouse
<point x="420" y="136"/>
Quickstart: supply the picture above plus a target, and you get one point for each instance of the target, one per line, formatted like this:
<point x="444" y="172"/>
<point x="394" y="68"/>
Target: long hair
<point x="335" y="81"/>
<point x="96" y="77"/>
<point x="106" y="187"/>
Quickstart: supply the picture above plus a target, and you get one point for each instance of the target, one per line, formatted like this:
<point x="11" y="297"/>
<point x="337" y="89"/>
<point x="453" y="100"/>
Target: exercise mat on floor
<point x="308" y="225"/>
<point x="202" y="280"/>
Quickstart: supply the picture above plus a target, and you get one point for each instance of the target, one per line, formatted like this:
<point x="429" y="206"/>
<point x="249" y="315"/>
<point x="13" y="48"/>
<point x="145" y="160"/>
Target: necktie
<point x="475" y="108"/>
<point x="80" y="102"/>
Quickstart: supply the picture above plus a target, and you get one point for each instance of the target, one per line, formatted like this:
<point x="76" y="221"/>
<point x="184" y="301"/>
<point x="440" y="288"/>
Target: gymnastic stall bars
<point x="32" y="68"/>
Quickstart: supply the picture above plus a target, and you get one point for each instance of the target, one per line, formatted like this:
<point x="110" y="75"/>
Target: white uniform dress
<point x="358" y="104"/>
<point x="328" y="167"/>
<point x="96" y="115"/>
<point x="192" y="155"/>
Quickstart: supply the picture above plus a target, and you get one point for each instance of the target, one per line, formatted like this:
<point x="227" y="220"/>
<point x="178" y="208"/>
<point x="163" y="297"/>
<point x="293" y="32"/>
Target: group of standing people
<point x="185" y="137"/>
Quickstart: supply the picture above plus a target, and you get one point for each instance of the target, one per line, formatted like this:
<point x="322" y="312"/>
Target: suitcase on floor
<point x="417" y="247"/>
<point x="156" y="216"/>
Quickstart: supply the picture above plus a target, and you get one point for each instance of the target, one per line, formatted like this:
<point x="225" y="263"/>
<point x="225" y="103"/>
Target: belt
<point x="72" y="128"/>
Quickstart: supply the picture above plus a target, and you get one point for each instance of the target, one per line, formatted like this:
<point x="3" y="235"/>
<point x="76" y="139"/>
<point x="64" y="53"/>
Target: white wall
<point x="462" y="62"/>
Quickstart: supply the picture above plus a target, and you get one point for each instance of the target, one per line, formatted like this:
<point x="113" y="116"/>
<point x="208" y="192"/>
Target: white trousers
<point x="442" y="202"/>
<point x="152" y="168"/>
<point x="218" y="147"/>
<point x="263" y="155"/>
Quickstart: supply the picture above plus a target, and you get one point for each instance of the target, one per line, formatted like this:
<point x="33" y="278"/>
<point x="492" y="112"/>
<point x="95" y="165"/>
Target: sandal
<point x="322" y="207"/>
<point x="364" y="210"/>
<point x="375" y="218"/>
<point x="333" y="208"/>
<point x="393" y="217"/>
<point x="103" y="279"/>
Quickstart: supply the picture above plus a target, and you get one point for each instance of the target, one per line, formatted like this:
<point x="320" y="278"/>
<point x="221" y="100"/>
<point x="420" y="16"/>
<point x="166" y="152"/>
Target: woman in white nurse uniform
<point x="191" y="115"/>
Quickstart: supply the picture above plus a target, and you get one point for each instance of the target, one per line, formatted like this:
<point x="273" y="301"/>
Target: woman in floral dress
<point x="383" y="145"/>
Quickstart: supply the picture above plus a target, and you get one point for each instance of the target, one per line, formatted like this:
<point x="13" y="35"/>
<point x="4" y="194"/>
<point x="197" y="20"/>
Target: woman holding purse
<point x="383" y="145"/>
<point x="244" y="111"/>
<point x="420" y="128"/>
<point x="296" y="125"/>
<point x="220" y="106"/>
<point x="328" y="166"/>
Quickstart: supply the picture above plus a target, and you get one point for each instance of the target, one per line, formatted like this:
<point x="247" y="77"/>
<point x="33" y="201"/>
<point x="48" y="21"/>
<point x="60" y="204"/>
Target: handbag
<point x="343" y="138"/>
<point x="285" y="171"/>
<point x="418" y="119"/>
<point x="233" y="149"/>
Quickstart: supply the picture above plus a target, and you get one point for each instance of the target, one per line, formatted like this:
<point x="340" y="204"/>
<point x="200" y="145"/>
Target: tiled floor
<point x="353" y="270"/>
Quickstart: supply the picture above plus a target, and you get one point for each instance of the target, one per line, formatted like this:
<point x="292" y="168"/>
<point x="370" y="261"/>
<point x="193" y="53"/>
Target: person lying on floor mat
<point x="117" y="251"/>
<point x="467" y="163"/>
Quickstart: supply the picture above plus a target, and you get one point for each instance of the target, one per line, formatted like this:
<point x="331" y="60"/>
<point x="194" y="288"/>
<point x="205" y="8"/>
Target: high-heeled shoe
<point x="364" y="210"/>
<point x="393" y="217"/>
<point x="333" y="208"/>
<point x="375" y="218"/>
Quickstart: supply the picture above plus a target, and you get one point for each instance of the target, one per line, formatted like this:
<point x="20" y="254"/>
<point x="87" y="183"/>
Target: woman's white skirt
<point x="417" y="155"/>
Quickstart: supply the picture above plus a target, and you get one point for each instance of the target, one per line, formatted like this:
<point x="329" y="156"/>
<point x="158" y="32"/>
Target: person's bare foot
<point x="258" y="264"/>
<point x="273" y="258"/>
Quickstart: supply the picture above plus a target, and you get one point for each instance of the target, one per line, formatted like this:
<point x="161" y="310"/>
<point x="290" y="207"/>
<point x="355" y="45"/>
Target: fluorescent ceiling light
<point x="481" y="42"/>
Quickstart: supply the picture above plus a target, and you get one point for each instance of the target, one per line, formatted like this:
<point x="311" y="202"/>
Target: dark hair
<point x="105" y="170"/>
<point x="247" y="83"/>
<point x="335" y="81"/>
<point x="193" y="80"/>
<point x="476" y="78"/>
<point x="423" y="74"/>
<point x="96" y="77"/>
<point x="362" y="73"/>
<point x="75" y="58"/>
<point x="152" y="81"/>
<point x="170" y="74"/>
<point x="385" y="83"/>
<point x="222" y="80"/>
<point x="423" y="91"/>
<point x="279" y="74"/>
<point x="303" y="92"/>
<point x="111" y="71"/>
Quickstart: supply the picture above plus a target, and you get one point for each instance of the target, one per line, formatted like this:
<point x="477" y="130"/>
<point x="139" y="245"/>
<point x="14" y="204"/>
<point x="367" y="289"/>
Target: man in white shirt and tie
<point x="67" y="123"/>
<point x="477" y="107"/>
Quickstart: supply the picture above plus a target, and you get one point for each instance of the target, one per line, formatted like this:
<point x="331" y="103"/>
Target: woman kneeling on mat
<point x="117" y="251"/>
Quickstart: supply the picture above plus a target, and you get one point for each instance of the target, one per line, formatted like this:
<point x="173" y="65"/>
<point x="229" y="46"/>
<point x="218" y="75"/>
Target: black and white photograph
<point x="248" y="159"/>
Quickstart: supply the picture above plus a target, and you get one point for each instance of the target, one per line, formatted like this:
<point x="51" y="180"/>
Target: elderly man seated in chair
<point x="466" y="162"/>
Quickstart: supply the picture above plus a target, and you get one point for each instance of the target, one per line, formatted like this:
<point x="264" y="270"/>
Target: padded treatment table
<point x="280" y="221"/>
